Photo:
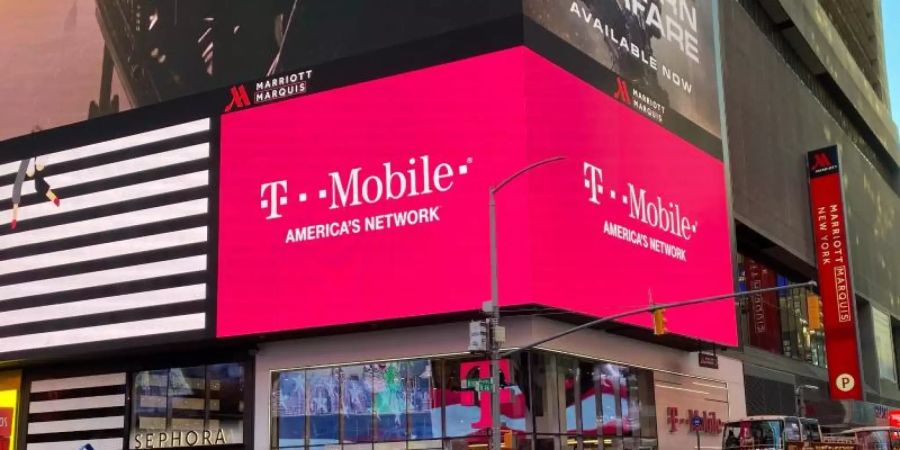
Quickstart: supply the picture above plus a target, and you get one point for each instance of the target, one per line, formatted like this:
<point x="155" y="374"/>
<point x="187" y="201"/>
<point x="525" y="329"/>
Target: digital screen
<point x="370" y="202"/>
<point x="105" y="241"/>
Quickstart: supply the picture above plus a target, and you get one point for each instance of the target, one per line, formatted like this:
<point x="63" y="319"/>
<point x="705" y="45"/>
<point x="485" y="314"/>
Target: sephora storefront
<point x="138" y="405"/>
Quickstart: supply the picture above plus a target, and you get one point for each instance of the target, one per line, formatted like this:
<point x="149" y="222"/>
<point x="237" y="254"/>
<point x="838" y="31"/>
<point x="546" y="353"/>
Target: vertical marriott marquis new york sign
<point x="833" y="261"/>
<point x="369" y="202"/>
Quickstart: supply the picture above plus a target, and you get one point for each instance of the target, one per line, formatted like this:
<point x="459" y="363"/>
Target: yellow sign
<point x="9" y="402"/>
<point x="659" y="322"/>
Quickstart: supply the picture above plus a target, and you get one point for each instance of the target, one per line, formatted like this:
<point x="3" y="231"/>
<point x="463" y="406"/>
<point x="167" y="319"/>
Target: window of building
<point x="356" y="406"/>
<point x="289" y="413"/>
<point x="188" y="407"/>
<point x="884" y="345"/>
<point x="787" y="322"/>
<point x="792" y="430"/>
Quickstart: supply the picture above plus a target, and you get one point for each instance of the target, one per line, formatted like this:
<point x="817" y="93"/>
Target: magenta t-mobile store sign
<point x="369" y="202"/>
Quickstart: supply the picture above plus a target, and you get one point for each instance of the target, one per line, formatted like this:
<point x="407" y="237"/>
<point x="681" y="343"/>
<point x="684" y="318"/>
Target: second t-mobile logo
<point x="656" y="212"/>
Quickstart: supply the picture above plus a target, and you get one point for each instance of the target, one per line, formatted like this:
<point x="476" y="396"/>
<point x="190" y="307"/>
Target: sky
<point x="890" y="13"/>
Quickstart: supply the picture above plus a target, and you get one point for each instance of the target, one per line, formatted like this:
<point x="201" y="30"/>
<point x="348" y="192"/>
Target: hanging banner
<point x="765" y="326"/>
<point x="833" y="262"/>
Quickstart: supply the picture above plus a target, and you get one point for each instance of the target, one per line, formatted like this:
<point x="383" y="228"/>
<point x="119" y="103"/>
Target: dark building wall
<point x="874" y="211"/>
<point x="771" y="125"/>
<point x="775" y="114"/>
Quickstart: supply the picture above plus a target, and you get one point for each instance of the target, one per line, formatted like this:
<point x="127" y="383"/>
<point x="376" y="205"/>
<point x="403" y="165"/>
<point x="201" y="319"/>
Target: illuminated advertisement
<point x="88" y="410"/>
<point x="833" y="264"/>
<point x="663" y="51"/>
<point x="370" y="202"/>
<point x="105" y="241"/>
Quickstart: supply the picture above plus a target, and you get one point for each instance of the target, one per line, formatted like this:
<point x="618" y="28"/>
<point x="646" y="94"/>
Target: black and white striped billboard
<point x="76" y="412"/>
<point x="105" y="241"/>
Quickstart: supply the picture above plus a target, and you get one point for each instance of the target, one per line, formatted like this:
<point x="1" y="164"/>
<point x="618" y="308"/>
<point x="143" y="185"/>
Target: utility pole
<point x="496" y="334"/>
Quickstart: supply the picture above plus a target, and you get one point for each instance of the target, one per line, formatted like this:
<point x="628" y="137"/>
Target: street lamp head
<point x="524" y="170"/>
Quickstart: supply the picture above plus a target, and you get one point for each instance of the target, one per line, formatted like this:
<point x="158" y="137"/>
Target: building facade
<point x="824" y="91"/>
<point x="283" y="246"/>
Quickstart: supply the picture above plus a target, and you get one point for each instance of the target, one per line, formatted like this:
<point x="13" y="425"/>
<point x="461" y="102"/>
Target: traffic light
<point x="659" y="322"/>
<point x="507" y="442"/>
<point x="814" y="308"/>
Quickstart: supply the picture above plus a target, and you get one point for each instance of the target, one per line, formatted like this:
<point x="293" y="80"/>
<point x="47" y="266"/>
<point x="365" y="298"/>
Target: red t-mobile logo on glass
<point x="658" y="213"/>
<point x="353" y="188"/>
<point x="512" y="404"/>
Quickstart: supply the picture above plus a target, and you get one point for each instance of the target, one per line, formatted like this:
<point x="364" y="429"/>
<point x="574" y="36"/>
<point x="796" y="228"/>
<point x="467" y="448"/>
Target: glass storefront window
<point x="356" y="404"/>
<point x="289" y="409"/>
<point x="390" y="391"/>
<point x="547" y="400"/>
<point x="188" y="407"/>
<point x="323" y="394"/>
<point x="544" y="395"/>
<point x="590" y="385"/>
<point x="462" y="406"/>
<point x="568" y="378"/>
<point x="423" y="400"/>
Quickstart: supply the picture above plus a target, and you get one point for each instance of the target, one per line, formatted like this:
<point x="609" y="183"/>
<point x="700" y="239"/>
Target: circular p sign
<point x="845" y="382"/>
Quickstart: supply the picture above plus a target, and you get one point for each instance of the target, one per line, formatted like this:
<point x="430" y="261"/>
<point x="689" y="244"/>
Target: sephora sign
<point x="369" y="202"/>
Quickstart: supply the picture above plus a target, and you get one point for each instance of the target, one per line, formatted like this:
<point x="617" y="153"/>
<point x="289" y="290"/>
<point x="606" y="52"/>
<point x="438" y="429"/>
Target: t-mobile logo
<point x="273" y="195"/>
<point x="652" y="210"/>
<point x="593" y="181"/>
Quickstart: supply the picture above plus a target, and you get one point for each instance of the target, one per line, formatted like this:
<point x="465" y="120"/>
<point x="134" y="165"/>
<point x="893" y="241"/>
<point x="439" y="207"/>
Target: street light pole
<point x="495" y="322"/>
<point x="798" y="394"/>
<point x="494" y="344"/>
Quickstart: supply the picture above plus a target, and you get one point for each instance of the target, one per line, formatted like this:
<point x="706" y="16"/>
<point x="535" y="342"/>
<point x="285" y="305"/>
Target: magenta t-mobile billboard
<point x="370" y="202"/>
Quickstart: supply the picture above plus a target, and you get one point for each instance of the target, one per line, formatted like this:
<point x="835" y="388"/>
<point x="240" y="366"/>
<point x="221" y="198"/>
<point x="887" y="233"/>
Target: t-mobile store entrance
<point x="554" y="400"/>
<point x="551" y="399"/>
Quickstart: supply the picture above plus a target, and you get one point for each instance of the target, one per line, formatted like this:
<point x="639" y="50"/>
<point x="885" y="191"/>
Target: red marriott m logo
<point x="239" y="98"/>
<point x="622" y="91"/>
<point x="821" y="161"/>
